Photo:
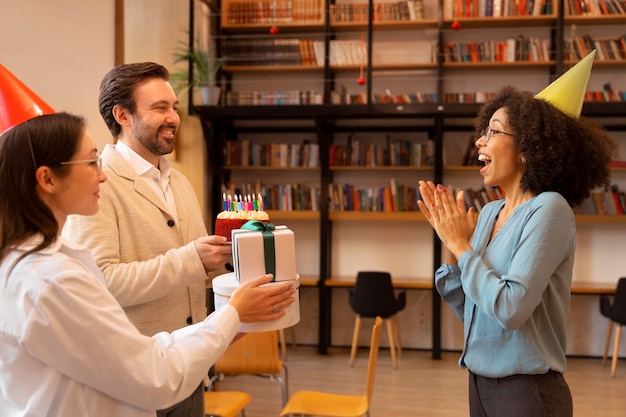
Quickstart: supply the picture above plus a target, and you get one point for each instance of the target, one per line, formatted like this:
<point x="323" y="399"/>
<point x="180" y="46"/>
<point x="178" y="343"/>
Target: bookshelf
<point x="440" y="120"/>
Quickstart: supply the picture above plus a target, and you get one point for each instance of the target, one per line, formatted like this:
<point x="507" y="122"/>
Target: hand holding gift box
<point x="258" y="249"/>
<point x="223" y="287"/>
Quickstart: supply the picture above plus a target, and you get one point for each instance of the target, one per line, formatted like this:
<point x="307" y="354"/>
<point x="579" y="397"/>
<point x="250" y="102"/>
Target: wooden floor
<point x="420" y="386"/>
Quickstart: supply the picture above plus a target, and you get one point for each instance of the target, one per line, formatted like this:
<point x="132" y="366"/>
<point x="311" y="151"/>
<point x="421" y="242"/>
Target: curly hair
<point x="563" y="154"/>
<point x="118" y="88"/>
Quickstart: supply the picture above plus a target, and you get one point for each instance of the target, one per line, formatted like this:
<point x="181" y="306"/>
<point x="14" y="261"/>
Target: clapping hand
<point x="448" y="216"/>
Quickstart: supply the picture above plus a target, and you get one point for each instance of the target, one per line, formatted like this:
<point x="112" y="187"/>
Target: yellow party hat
<point x="567" y="93"/>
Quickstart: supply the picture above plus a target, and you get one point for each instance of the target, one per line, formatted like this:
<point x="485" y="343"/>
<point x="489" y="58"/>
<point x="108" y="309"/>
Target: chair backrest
<point x="618" y="307"/>
<point x="254" y="353"/>
<point x="373" y="295"/>
<point x="373" y="359"/>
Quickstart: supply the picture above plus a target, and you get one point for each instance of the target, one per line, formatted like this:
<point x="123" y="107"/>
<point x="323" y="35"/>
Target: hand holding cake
<point x="213" y="252"/>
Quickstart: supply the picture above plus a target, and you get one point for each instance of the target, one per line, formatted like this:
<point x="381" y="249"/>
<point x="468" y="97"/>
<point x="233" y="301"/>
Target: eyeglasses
<point x="488" y="132"/>
<point x="96" y="162"/>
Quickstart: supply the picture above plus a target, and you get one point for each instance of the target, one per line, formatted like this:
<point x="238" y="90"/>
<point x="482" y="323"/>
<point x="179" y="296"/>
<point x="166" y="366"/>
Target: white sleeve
<point x="78" y="328"/>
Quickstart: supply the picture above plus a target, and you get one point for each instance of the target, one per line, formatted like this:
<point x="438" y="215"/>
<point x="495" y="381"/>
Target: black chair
<point x="373" y="295"/>
<point x="615" y="311"/>
<point x="605" y="305"/>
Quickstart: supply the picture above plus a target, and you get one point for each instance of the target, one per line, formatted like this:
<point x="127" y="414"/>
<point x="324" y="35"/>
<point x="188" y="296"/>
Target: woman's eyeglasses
<point x="488" y="132"/>
<point x="96" y="162"/>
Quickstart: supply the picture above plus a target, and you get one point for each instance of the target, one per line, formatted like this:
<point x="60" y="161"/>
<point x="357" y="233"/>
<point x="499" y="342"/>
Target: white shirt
<point x="67" y="348"/>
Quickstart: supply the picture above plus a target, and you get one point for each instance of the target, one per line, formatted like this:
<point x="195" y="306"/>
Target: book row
<point x="276" y="51"/>
<point x="307" y="11"/>
<point x="361" y="98"/>
<point x="609" y="202"/>
<point x="297" y="97"/>
<point x="392" y="198"/>
<point x="274" y="11"/>
<point x="477" y="198"/>
<point x="397" y="152"/>
<point x="477" y="97"/>
<point x="282" y="51"/>
<point x="411" y="98"/>
<point x="350" y="52"/>
<point x="356" y="152"/>
<point x="272" y="98"/>
<point x="281" y="155"/>
<point x="607" y="49"/>
<point x="517" y="49"/>
<point x="342" y="197"/>
<point x="282" y="197"/>
<point x="408" y="10"/>
<point x="609" y="94"/>
<point x="593" y="7"/>
<point x="397" y="197"/>
<point x="495" y="8"/>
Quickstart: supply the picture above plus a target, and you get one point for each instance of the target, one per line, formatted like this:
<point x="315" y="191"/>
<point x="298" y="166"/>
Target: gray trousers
<point x="544" y="395"/>
<point x="192" y="406"/>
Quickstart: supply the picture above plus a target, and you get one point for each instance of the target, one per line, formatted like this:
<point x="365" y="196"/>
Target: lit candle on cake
<point x="237" y="211"/>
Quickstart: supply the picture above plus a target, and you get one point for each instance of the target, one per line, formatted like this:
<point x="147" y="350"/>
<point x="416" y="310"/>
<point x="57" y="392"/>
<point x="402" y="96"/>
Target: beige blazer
<point x="147" y="257"/>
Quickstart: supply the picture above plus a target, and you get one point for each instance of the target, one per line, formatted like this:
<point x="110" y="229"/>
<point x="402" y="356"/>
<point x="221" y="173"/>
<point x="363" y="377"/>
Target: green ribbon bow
<point x="269" y="249"/>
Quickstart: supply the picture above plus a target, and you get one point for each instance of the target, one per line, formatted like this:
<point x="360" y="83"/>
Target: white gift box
<point x="249" y="254"/>
<point x="223" y="287"/>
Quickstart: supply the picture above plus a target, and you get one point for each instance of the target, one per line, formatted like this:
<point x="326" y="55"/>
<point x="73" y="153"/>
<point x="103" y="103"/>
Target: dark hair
<point x="563" y="154"/>
<point x="41" y="141"/>
<point x="118" y="88"/>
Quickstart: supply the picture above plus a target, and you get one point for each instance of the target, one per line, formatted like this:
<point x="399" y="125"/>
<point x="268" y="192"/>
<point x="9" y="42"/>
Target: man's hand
<point x="213" y="252"/>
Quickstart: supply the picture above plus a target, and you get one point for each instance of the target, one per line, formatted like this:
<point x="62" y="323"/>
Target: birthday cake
<point x="227" y="221"/>
<point x="237" y="213"/>
<point x="259" y="248"/>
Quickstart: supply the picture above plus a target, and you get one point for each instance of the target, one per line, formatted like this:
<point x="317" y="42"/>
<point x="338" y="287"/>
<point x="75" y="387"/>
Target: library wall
<point x="38" y="61"/>
<point x="404" y="68"/>
<point x="599" y="257"/>
<point x="600" y="247"/>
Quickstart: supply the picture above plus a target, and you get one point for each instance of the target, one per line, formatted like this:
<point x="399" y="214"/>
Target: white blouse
<point x="68" y="349"/>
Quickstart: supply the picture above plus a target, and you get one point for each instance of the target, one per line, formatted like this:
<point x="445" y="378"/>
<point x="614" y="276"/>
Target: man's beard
<point x="153" y="142"/>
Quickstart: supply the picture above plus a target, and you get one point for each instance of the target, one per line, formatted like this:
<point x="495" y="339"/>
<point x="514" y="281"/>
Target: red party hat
<point x="17" y="102"/>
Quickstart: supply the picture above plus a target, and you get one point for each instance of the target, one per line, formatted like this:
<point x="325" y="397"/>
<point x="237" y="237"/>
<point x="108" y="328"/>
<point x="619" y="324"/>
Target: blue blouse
<point x="513" y="292"/>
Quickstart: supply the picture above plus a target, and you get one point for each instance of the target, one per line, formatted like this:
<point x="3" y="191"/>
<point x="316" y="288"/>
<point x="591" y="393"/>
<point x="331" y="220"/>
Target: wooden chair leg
<point x="355" y="339"/>
<point x="396" y="324"/>
<point x="392" y="344"/>
<point x="618" y="335"/>
<point x="607" y="343"/>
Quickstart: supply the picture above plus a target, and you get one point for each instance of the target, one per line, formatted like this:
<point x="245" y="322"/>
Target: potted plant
<point x="205" y="67"/>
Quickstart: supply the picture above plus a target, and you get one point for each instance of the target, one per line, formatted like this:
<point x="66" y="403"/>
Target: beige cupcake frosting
<point x="244" y="215"/>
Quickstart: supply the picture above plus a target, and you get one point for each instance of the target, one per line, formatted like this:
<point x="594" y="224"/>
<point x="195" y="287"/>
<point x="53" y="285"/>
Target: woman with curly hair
<point x="508" y="276"/>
